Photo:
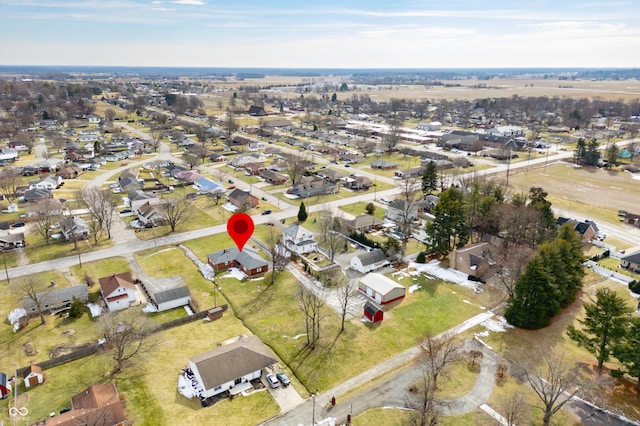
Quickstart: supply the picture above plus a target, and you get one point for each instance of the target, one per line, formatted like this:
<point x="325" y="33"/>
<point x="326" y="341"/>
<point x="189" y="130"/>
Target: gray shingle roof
<point x="371" y="257"/>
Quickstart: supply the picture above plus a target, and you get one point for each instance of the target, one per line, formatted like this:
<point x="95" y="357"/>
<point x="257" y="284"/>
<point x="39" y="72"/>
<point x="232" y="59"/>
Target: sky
<point x="321" y="34"/>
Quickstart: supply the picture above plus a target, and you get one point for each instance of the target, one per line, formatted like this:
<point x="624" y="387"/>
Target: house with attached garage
<point x="54" y="300"/>
<point x="246" y="260"/>
<point x="274" y="178"/>
<point x="47" y="182"/>
<point x="118" y="291"/>
<point x="368" y="261"/>
<point x="229" y="368"/>
<point x="398" y="210"/>
<point x="631" y="262"/>
<point x="243" y="199"/>
<point x="381" y="289"/>
<point x="74" y="228"/>
<point x="587" y="229"/>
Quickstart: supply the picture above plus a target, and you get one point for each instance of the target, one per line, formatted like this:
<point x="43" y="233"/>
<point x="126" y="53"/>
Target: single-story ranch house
<point x="247" y="260"/>
<point x="56" y="299"/>
<point x="380" y="288"/>
<point x="369" y="261"/>
<point x="230" y="366"/>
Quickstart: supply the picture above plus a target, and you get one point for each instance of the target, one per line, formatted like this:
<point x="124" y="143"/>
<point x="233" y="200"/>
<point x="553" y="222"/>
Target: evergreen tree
<point x="603" y="326"/>
<point x="302" y="213"/>
<point x="538" y="200"/>
<point x="628" y="350"/>
<point x="592" y="153"/>
<point x="580" y="151"/>
<point x="430" y="178"/>
<point x="448" y="229"/>
<point x="534" y="302"/>
<point x="611" y="154"/>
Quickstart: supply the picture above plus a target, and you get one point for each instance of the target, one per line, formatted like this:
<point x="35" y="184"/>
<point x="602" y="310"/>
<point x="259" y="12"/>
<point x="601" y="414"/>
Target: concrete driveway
<point x="286" y="397"/>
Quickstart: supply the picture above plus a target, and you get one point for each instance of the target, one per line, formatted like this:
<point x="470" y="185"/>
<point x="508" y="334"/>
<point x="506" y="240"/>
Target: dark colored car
<point x="18" y="225"/>
<point x="266" y="212"/>
<point x="284" y="379"/>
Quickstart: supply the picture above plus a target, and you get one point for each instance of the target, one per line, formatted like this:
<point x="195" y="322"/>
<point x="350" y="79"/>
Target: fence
<point x="92" y="348"/>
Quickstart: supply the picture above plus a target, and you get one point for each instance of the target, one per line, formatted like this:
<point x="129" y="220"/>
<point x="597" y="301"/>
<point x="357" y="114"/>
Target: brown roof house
<point x="229" y="367"/>
<point x="473" y="260"/>
<point x="33" y="375"/>
<point x="243" y="199"/>
<point x="118" y="291"/>
<point x="274" y="178"/>
<point x="247" y="260"/>
<point x="96" y="405"/>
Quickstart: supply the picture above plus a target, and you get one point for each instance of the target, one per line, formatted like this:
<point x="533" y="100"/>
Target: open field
<point x="495" y="88"/>
<point x="589" y="191"/>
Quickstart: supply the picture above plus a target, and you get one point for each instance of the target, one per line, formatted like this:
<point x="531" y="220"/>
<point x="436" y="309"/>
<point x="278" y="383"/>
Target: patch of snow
<point x="185" y="388"/>
<point x="205" y="269"/>
<point x="236" y="273"/>
<point x="467" y="302"/>
<point x="230" y="207"/>
<point x="297" y="336"/>
<point x="14" y="318"/>
<point x="102" y="340"/>
<point x="635" y="177"/>
<point x="95" y="310"/>
<point x="414" y="287"/>
<point x="499" y="324"/>
<point x="433" y="269"/>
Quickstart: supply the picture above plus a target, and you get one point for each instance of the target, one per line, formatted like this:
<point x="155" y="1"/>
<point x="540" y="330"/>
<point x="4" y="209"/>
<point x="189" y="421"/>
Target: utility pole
<point x="4" y="260"/>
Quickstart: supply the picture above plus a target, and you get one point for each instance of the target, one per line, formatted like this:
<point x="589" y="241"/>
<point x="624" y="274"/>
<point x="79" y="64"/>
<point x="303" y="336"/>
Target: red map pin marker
<point x="240" y="228"/>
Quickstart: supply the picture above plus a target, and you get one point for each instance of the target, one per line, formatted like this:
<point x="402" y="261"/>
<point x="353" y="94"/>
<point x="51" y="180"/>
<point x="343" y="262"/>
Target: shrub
<point x="421" y="258"/>
<point x="371" y="208"/>
<point x="77" y="309"/>
<point x="634" y="286"/>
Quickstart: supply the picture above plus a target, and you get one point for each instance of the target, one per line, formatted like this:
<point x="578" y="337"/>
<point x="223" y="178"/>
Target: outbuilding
<point x="368" y="261"/>
<point x="381" y="289"/>
<point x="33" y="375"/>
<point x="5" y="387"/>
<point x="372" y="312"/>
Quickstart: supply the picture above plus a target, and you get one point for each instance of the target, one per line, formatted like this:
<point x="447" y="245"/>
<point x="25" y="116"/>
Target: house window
<point x="258" y="269"/>
<point x="238" y="381"/>
<point x="217" y="388"/>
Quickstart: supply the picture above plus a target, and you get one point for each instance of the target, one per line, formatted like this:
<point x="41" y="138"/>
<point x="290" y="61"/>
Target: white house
<point x="381" y="289"/>
<point x="397" y="210"/>
<point x="166" y="293"/>
<point x="73" y="227"/>
<point x="118" y="291"/>
<point x="506" y="131"/>
<point x="47" y="182"/>
<point x="208" y="186"/>
<point x="230" y="367"/>
<point x="299" y="240"/>
<point x="369" y="261"/>
<point x="93" y="119"/>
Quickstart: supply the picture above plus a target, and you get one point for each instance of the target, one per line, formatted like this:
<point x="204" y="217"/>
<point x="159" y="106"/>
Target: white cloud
<point x="189" y="2"/>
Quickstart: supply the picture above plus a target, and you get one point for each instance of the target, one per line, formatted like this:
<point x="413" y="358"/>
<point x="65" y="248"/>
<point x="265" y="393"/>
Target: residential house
<point x="512" y="131"/>
<point x="273" y="178"/>
<point x="588" y="229"/>
<point x="357" y="183"/>
<point x="54" y="300"/>
<point x="187" y="175"/>
<point x="240" y="161"/>
<point x="427" y="203"/>
<point x="473" y="260"/>
<point x="368" y="261"/>
<point x="208" y="186"/>
<point x="93" y="119"/>
<point x="631" y="261"/>
<point x="381" y="289"/>
<point x="362" y="223"/>
<point x="34" y="195"/>
<point x="230" y="367"/>
<point x="299" y="240"/>
<point x="279" y="166"/>
<point x="255" y="146"/>
<point x="632" y="219"/>
<point x="74" y="228"/>
<point x="247" y="260"/>
<point x="256" y="111"/>
<point x="383" y="165"/>
<point x="32" y="375"/>
<point x="413" y="172"/>
<point x="150" y="213"/>
<point x="279" y="123"/>
<point x="97" y="405"/>
<point x="70" y="172"/>
<point x="47" y="182"/>
<point x="309" y="186"/>
<point x="432" y="126"/>
<point x="217" y="157"/>
<point x="130" y="183"/>
<point x="166" y="293"/>
<point x="118" y="291"/>
<point x="254" y="169"/>
<point x="243" y="199"/>
<point x="331" y="175"/>
<point x="400" y="211"/>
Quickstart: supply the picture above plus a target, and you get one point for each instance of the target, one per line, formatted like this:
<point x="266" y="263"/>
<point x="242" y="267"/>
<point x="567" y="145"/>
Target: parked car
<point x="266" y="212"/>
<point x="283" y="379"/>
<point x="273" y="381"/>
<point x="264" y="198"/>
<point x="18" y="225"/>
<point x="232" y="187"/>
<point x="230" y="181"/>
<point x="125" y="211"/>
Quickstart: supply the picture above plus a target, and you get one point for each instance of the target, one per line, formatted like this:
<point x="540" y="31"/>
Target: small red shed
<point x="372" y="313"/>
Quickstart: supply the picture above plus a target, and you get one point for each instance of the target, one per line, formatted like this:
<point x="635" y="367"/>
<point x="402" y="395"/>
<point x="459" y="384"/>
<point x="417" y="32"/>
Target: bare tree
<point x="551" y="378"/>
<point x="102" y="205"/>
<point x="230" y="125"/>
<point x="35" y="290"/>
<point x="279" y="255"/>
<point x="297" y="166"/>
<point x="156" y="136"/>
<point x="408" y="212"/>
<point x="332" y="239"/>
<point x="175" y="211"/>
<point x="510" y="262"/>
<point x="513" y="408"/>
<point x="58" y="142"/>
<point x="393" y="137"/>
<point x="423" y="399"/>
<point x="109" y="114"/>
<point x="311" y="306"/>
<point x="10" y="180"/>
<point x="127" y="336"/>
<point x="346" y="294"/>
<point x="437" y="353"/>
<point x="190" y="159"/>
<point x="46" y="215"/>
